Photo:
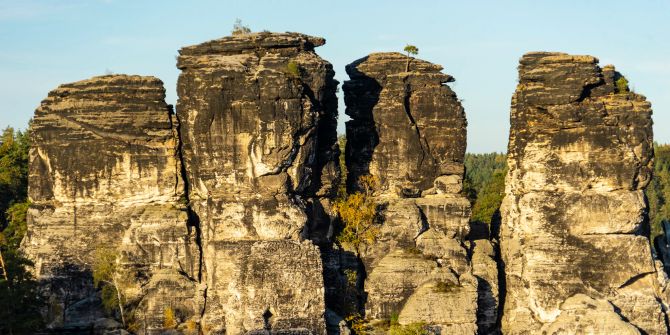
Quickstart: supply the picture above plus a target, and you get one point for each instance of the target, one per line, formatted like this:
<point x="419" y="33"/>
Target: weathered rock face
<point x="573" y="233"/>
<point x="408" y="128"/>
<point x="105" y="175"/>
<point x="258" y="126"/>
<point x="408" y="131"/>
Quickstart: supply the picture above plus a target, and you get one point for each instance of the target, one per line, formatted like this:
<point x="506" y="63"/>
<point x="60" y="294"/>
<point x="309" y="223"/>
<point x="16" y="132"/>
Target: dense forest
<point x="484" y="185"/>
<point x="19" y="298"/>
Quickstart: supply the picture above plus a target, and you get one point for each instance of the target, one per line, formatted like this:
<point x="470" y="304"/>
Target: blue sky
<point x="45" y="43"/>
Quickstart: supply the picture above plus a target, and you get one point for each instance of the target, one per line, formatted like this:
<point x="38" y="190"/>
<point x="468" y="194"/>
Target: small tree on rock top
<point x="239" y="28"/>
<point x="410" y="50"/>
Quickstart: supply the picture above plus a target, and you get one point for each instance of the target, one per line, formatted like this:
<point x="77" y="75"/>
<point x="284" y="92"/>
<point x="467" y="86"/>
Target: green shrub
<point x="239" y="28"/>
<point x="293" y="69"/>
<point x="622" y="85"/>
<point x="416" y="328"/>
<point x="358" y="324"/>
<point x="444" y="287"/>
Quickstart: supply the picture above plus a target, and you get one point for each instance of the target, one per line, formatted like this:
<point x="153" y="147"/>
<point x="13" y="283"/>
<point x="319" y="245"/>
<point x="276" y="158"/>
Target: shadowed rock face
<point x="579" y="157"/>
<point x="407" y="127"/>
<point x="104" y="174"/>
<point x="258" y="123"/>
<point x="408" y="130"/>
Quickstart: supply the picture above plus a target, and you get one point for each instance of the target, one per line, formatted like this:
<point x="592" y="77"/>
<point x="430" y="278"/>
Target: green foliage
<point x="104" y="266"/>
<point x="239" y="28"/>
<point x="394" y="318"/>
<point x="658" y="191"/>
<point x="411" y="50"/>
<point x="14" y="146"/>
<point x="357" y="212"/>
<point x="293" y="69"/>
<point x="416" y="328"/>
<point x="20" y="300"/>
<point x="104" y="278"/>
<point x="622" y="85"/>
<point x="12" y="235"/>
<point x="109" y="297"/>
<point x="479" y="169"/>
<point x="444" y="287"/>
<point x="489" y="198"/>
<point x="484" y="184"/>
<point x="358" y="324"/>
<point x="342" y="187"/>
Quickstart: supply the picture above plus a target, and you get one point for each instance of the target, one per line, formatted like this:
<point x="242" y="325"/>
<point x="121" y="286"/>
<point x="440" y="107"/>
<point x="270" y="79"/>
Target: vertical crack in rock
<point x="193" y="221"/>
<point x="575" y="251"/>
<point x="258" y="129"/>
<point x="418" y="268"/>
<point x="406" y="105"/>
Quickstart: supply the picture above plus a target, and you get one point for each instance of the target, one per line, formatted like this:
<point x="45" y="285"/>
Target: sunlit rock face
<point x="258" y="128"/>
<point x="573" y="237"/>
<point x="105" y="175"/>
<point x="408" y="127"/>
<point x="408" y="131"/>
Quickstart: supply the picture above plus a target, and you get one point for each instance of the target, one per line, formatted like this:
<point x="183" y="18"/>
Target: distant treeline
<point x="484" y="185"/>
<point x="658" y="191"/>
<point x="19" y="298"/>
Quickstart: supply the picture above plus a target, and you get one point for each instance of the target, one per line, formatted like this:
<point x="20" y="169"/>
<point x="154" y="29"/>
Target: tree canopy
<point x="484" y="184"/>
<point x="19" y="296"/>
<point x="411" y="50"/>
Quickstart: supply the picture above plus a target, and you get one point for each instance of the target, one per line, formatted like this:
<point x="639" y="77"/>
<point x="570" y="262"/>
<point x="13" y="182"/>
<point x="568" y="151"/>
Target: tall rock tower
<point x="574" y="242"/>
<point x="257" y="117"/>
<point x="408" y="130"/>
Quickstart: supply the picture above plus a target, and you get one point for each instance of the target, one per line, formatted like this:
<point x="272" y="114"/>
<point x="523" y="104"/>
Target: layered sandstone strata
<point x="258" y="129"/>
<point x="574" y="242"/>
<point x="408" y="131"/>
<point x="105" y="178"/>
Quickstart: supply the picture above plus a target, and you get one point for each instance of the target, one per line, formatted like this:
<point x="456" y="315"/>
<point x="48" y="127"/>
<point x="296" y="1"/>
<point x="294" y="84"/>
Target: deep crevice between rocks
<point x="500" y="264"/>
<point x="193" y="220"/>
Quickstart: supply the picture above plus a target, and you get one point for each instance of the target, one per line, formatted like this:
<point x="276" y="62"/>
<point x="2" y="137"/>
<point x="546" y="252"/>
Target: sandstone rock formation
<point x="258" y="128"/>
<point x="407" y="127"/>
<point x="408" y="131"/>
<point x="222" y="215"/>
<point x="105" y="175"/>
<point x="576" y="254"/>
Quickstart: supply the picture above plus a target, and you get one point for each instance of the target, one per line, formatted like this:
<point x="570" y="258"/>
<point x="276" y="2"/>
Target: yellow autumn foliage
<point x="357" y="212"/>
